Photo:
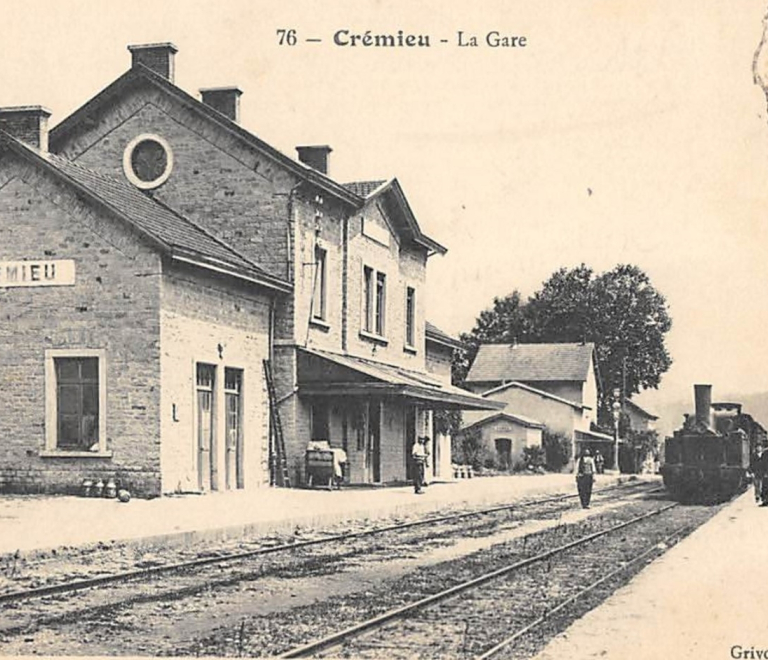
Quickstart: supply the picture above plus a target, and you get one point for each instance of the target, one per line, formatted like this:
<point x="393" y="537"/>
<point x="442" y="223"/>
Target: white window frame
<point x="320" y="286"/>
<point x="128" y="165"/>
<point x="51" y="403"/>
<point x="410" y="319"/>
<point x="369" y="279"/>
<point x="371" y="310"/>
<point x="380" y="307"/>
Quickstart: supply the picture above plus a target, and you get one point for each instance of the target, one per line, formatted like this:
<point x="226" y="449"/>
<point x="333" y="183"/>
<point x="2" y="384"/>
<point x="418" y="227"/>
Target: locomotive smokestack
<point x="703" y="396"/>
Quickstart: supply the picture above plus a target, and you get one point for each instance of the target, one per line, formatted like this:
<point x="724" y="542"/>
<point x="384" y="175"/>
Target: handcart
<point x="319" y="468"/>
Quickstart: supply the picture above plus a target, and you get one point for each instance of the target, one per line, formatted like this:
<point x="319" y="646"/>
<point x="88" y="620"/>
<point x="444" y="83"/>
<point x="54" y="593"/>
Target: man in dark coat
<point x="585" y="477"/>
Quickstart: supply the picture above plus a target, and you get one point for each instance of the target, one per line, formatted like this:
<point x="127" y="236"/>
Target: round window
<point x="147" y="161"/>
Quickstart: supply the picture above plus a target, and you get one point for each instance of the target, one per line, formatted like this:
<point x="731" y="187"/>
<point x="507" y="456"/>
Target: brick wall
<point x="113" y="306"/>
<point x="254" y="204"/>
<point x="221" y="323"/>
<point x="241" y="196"/>
<point x="323" y="231"/>
<point x="403" y="267"/>
<point x="439" y="359"/>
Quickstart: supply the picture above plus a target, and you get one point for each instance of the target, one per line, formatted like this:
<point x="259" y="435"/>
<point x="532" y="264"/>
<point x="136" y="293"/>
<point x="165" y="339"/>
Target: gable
<point x="163" y="230"/>
<point x="43" y="220"/>
<point x="372" y="224"/>
<point x="511" y="391"/>
<point x="114" y="104"/>
<point x="240" y="202"/>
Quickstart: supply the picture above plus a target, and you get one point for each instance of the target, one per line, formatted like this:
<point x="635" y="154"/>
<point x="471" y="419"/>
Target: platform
<point x="706" y="598"/>
<point x="38" y="523"/>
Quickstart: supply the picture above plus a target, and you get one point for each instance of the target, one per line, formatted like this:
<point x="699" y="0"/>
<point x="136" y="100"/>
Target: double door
<point x="209" y="429"/>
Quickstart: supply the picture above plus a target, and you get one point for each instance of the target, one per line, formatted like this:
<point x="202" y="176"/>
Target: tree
<point x="561" y="310"/>
<point x="505" y="322"/>
<point x="630" y="321"/>
<point x="619" y="310"/>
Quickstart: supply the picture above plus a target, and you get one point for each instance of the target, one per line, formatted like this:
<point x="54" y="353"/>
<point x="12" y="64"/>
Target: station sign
<point x="58" y="272"/>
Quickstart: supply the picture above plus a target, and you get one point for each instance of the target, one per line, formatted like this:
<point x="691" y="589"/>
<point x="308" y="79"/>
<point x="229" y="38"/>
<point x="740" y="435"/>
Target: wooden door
<point x="206" y="448"/>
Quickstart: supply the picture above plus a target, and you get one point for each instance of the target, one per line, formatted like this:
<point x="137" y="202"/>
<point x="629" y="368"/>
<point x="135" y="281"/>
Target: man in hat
<point x="599" y="462"/>
<point x="420" y="455"/>
<point x="585" y="477"/>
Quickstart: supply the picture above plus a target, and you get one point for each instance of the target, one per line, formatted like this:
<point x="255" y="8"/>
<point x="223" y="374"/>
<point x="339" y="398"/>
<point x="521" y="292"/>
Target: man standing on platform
<point x="585" y="477"/>
<point x="599" y="462"/>
<point x="420" y="455"/>
<point x="760" y="475"/>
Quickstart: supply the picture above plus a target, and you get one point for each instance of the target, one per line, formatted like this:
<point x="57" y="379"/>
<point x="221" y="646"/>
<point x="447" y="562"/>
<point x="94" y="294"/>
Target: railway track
<point x="168" y="616"/>
<point x="189" y="566"/>
<point x="427" y="627"/>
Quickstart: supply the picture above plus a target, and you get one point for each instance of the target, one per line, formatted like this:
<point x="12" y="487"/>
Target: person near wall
<point x="420" y="456"/>
<point x="585" y="477"/>
<point x="599" y="462"/>
<point x="339" y="461"/>
<point x="760" y="475"/>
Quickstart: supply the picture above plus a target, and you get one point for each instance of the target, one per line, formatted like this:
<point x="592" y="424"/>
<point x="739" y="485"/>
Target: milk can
<point x="98" y="489"/>
<point x="110" y="490"/>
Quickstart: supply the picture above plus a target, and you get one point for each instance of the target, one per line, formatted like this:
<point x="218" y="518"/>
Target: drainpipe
<point x="289" y="224"/>
<point x="344" y="283"/>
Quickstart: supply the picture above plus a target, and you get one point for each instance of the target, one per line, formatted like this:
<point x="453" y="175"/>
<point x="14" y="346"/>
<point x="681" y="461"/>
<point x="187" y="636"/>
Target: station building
<point x="184" y="308"/>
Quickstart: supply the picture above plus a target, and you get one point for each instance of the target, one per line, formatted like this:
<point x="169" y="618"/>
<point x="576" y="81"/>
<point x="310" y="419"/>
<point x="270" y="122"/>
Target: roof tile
<point x="531" y="362"/>
<point x="153" y="218"/>
<point x="363" y="188"/>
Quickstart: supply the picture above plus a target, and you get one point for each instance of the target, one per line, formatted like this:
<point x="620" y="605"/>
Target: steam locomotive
<point x="708" y="459"/>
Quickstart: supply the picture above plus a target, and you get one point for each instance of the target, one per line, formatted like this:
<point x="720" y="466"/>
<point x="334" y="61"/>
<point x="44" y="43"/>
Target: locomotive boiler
<point x="708" y="459"/>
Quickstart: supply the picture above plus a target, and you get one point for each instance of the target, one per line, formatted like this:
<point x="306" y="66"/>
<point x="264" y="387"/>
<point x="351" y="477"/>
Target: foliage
<point x="447" y="422"/>
<point x="490" y="461"/>
<point x="619" y="311"/>
<point x="638" y="447"/>
<point x="557" y="450"/>
<point x="534" y="457"/>
<point x="468" y="448"/>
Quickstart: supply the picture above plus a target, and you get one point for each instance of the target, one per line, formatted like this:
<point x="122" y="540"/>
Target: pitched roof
<point x="531" y="362"/>
<point x="641" y="411"/>
<point x="434" y="333"/>
<point x="139" y="72"/>
<point x="363" y="188"/>
<point x="512" y="417"/>
<point x="381" y="379"/>
<point x="399" y="210"/>
<point x="347" y="193"/>
<point x="533" y="390"/>
<point x="174" y="234"/>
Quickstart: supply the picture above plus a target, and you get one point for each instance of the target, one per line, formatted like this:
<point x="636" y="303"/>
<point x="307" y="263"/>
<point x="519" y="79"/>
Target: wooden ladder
<point x="278" y="461"/>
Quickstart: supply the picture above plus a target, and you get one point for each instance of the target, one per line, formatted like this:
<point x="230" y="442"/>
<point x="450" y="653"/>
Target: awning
<point x="592" y="436"/>
<point x="321" y="373"/>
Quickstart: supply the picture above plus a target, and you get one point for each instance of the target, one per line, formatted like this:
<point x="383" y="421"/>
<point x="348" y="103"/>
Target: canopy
<point x="321" y="373"/>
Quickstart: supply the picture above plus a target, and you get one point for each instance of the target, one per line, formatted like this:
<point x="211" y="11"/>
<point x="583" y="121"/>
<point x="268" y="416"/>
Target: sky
<point x="623" y="132"/>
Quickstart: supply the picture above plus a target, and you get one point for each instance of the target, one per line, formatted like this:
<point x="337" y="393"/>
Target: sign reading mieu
<point x="59" y="272"/>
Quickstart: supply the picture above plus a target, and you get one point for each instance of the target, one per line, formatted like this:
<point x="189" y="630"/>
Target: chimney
<point x="28" y="123"/>
<point x="703" y="397"/>
<point x="224" y="99"/>
<point x="158" y="57"/>
<point x="315" y="156"/>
